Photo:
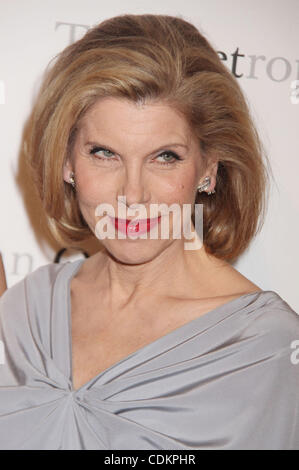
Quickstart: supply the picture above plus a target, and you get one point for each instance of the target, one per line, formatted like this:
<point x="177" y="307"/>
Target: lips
<point x="136" y="226"/>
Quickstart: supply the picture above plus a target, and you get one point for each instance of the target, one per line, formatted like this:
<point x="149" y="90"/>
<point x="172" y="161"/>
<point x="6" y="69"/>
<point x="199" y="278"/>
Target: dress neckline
<point x="205" y="320"/>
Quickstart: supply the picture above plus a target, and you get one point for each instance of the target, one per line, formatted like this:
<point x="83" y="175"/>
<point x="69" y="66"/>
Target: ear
<point x="213" y="169"/>
<point x="67" y="169"/>
<point x="211" y="172"/>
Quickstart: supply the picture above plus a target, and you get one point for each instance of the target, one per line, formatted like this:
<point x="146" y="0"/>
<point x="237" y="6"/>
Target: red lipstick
<point x="137" y="226"/>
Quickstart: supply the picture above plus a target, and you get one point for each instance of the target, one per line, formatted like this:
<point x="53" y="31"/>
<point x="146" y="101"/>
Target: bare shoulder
<point x="227" y="282"/>
<point x="238" y="282"/>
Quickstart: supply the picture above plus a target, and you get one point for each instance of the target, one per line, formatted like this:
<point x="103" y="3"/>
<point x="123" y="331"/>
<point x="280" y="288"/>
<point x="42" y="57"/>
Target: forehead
<point x="119" y="116"/>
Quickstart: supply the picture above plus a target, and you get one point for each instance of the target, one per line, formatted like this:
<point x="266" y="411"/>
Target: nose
<point x="133" y="186"/>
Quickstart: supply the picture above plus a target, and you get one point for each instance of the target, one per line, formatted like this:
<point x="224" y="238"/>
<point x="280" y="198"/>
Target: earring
<point x="206" y="183"/>
<point x="72" y="179"/>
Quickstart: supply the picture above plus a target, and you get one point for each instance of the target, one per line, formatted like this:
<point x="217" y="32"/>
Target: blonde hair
<point x="144" y="58"/>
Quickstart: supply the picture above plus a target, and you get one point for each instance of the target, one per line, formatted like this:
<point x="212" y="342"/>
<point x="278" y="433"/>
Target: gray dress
<point x="224" y="380"/>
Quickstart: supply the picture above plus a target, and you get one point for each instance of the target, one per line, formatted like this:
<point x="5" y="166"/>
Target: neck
<point x="174" y="272"/>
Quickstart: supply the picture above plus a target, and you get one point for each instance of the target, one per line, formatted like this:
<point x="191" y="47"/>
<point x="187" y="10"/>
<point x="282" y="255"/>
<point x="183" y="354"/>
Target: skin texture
<point x="134" y="291"/>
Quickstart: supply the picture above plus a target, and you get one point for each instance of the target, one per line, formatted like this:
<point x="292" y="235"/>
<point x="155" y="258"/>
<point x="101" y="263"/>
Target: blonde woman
<point x="147" y="344"/>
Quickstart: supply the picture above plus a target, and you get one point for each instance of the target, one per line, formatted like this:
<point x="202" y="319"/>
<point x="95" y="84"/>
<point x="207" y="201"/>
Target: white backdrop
<point x="258" y="41"/>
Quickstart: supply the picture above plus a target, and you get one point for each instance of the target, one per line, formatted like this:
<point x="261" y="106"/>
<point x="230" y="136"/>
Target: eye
<point x="171" y="157"/>
<point x="107" y="153"/>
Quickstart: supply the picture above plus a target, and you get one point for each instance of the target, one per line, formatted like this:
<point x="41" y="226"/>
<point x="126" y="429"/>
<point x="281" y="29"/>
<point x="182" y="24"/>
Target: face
<point x="147" y="154"/>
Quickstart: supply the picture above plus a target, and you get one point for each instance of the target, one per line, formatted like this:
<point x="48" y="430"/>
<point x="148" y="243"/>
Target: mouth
<point x="138" y="226"/>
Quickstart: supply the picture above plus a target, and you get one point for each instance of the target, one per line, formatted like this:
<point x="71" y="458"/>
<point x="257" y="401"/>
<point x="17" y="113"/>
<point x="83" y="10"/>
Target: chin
<point x="134" y="251"/>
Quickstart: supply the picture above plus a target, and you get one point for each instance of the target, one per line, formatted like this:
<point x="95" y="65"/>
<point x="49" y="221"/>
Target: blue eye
<point x="173" y="156"/>
<point x="95" y="150"/>
<point x="107" y="154"/>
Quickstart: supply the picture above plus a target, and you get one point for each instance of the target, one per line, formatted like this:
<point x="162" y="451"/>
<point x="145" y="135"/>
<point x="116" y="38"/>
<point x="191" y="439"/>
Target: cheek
<point x="91" y="190"/>
<point x="181" y="190"/>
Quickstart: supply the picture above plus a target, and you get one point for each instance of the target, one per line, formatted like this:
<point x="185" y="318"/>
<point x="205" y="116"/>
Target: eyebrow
<point x="108" y="147"/>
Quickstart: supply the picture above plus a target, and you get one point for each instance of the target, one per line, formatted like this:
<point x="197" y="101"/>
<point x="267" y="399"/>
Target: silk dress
<point x="228" y="379"/>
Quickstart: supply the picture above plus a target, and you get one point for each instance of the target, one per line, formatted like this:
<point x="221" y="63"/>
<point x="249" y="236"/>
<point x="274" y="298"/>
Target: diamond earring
<point x="72" y="179"/>
<point x="206" y="183"/>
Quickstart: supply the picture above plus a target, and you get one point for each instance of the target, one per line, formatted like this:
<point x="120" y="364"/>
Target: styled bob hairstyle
<point x="146" y="58"/>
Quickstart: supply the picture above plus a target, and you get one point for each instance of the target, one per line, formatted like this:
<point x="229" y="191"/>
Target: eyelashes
<point x="94" y="150"/>
<point x="175" y="156"/>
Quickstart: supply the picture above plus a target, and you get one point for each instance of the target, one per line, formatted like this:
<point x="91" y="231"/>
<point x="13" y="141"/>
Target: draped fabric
<point x="224" y="380"/>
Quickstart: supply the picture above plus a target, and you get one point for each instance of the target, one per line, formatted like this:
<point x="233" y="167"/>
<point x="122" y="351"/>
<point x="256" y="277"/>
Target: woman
<point x="147" y="344"/>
